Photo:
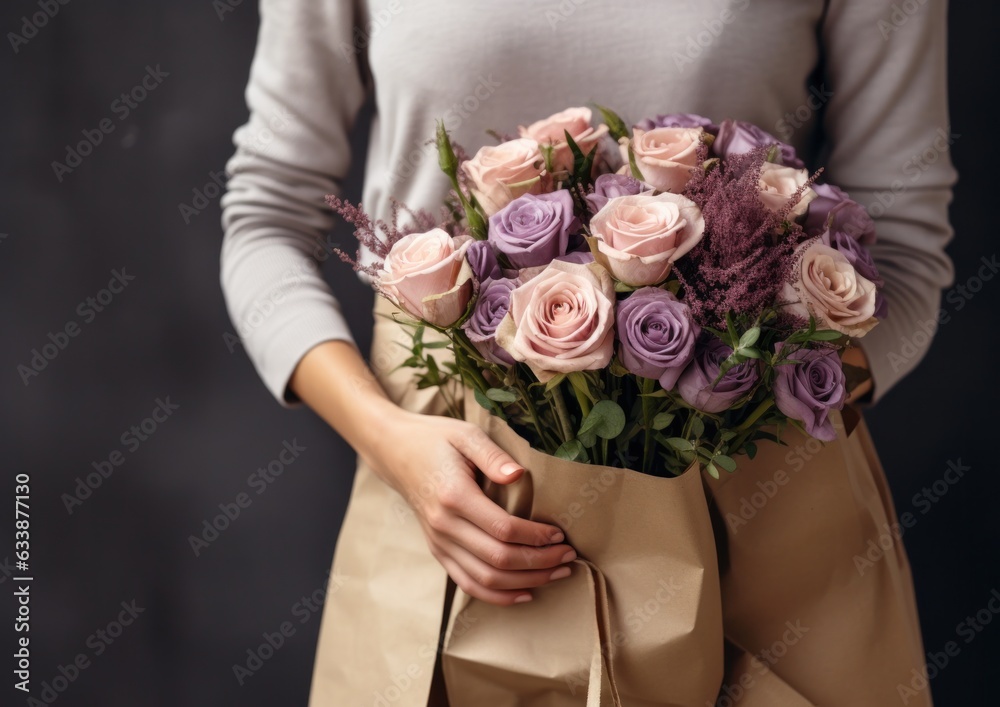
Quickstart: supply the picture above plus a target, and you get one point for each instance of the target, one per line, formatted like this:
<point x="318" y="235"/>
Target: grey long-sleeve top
<point x="857" y="86"/>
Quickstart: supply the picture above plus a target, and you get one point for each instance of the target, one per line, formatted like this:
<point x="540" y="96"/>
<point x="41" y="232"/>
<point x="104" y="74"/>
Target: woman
<point x="855" y="85"/>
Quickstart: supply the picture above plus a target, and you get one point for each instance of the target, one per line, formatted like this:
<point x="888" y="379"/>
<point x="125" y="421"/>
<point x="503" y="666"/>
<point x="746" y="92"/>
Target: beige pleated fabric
<point x="796" y="597"/>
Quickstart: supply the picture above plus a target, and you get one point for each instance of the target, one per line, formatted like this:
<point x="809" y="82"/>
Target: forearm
<point x="334" y="380"/>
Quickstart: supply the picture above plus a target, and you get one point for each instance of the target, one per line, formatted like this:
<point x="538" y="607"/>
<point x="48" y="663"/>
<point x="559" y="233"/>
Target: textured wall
<point x="155" y="355"/>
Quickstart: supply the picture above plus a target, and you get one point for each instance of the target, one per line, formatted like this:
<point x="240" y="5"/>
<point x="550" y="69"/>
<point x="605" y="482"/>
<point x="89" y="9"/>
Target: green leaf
<point x="447" y="160"/>
<point x="571" y="450"/>
<point x="749" y="353"/>
<point x="734" y="336"/>
<point x="680" y="444"/>
<point x="606" y="420"/>
<point x="616" y="126"/>
<point x="555" y="381"/>
<point x="587" y="438"/>
<point x="483" y="400"/>
<point x="749" y="337"/>
<point x="546" y="151"/>
<point x="500" y="395"/>
<point x="697" y="426"/>
<point x="663" y="420"/>
<point x="751" y="449"/>
<point x="622" y="287"/>
<point x="617" y="369"/>
<point x="726" y="462"/>
<point x="671" y="286"/>
<point x="712" y="471"/>
<point x="825" y="335"/>
<point x="633" y="166"/>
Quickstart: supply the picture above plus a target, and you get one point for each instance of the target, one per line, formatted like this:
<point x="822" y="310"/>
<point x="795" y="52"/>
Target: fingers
<point x="476" y="446"/>
<point x="466" y="500"/>
<point x="499" y="597"/>
<point x="507" y="556"/>
<point x="488" y="577"/>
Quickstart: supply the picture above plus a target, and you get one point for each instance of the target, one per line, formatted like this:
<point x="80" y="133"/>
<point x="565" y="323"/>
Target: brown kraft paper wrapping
<point x="806" y="622"/>
<point x="638" y="623"/>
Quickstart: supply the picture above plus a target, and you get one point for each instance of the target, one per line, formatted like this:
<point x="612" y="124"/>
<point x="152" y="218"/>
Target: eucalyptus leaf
<point x="571" y="450"/>
<point x="726" y="462"/>
<point x="680" y="444"/>
<point x="712" y="471"/>
<point x="606" y="420"/>
<point x="662" y="420"/>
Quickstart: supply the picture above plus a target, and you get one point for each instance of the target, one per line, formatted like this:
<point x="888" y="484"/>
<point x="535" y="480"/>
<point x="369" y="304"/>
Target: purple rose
<point x="695" y="383"/>
<point x="808" y="389"/>
<point x="833" y="210"/>
<point x="483" y="261"/>
<point x="861" y="258"/>
<point x="737" y="137"/>
<point x="534" y="230"/>
<point x="609" y="186"/>
<point x="490" y="308"/>
<point x="657" y="335"/>
<point x="678" y="120"/>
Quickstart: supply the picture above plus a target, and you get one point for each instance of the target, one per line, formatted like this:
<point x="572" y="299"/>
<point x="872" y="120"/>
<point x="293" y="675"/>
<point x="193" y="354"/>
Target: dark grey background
<point x="164" y="336"/>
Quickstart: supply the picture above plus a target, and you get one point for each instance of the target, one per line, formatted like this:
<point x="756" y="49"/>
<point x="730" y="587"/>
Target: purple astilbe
<point x="376" y="235"/>
<point x="744" y="258"/>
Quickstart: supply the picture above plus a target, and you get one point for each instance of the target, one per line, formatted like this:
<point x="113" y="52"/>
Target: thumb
<point x="476" y="446"/>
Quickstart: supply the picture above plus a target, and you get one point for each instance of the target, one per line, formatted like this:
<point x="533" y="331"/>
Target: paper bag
<point x="637" y="623"/>
<point x="816" y="588"/>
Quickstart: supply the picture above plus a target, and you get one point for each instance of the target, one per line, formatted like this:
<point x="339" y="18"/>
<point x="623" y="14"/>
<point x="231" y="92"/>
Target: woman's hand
<point x="431" y="462"/>
<point x="491" y="555"/>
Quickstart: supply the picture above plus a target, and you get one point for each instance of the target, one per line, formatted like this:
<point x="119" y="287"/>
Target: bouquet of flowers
<point x="650" y="298"/>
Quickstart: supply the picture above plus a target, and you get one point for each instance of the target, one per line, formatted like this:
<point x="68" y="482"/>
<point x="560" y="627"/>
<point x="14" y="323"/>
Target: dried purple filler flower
<point x="741" y="263"/>
<point x="378" y="236"/>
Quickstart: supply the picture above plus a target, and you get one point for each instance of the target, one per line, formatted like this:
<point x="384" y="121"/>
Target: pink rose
<point x="638" y="237"/>
<point x="561" y="320"/>
<point x="427" y="276"/>
<point x="552" y="131"/>
<point x="777" y="185"/>
<point x="826" y="286"/>
<point x="501" y="173"/>
<point x="665" y="156"/>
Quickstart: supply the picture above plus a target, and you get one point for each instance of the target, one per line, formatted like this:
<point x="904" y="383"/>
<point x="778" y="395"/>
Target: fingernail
<point x="510" y="469"/>
<point x="521" y="598"/>
<point x="560" y="573"/>
<point x="557" y="538"/>
<point x="568" y="557"/>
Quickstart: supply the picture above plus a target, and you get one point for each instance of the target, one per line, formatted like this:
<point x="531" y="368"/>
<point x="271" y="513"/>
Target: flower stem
<point x="647" y="421"/>
<point x="764" y="406"/>
<point x="562" y="413"/>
